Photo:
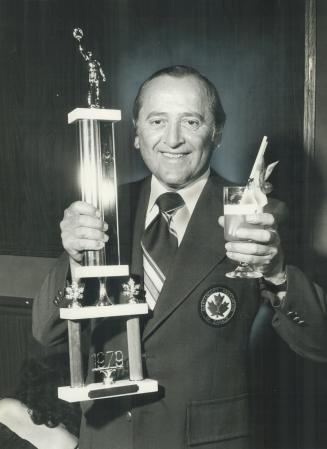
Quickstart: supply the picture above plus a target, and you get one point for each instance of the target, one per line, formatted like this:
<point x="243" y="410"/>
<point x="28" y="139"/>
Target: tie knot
<point x="170" y="201"/>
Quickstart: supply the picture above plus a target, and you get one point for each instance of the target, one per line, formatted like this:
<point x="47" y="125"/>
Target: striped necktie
<point x="159" y="244"/>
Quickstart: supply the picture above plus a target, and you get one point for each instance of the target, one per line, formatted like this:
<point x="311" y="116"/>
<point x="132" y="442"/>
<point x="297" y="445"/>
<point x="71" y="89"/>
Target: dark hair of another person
<point x="37" y="389"/>
<point x="181" y="71"/>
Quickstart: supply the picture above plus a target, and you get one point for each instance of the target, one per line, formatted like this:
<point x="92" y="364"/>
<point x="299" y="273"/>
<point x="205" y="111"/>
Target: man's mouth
<point x="173" y="155"/>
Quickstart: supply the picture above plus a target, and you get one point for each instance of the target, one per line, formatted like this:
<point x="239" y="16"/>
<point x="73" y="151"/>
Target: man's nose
<point x="173" y="136"/>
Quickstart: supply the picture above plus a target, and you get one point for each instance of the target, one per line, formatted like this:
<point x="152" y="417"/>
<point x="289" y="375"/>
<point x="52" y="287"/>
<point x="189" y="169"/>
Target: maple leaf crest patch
<point x="218" y="306"/>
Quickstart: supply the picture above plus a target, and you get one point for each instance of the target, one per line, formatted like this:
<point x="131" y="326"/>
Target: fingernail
<point x="97" y="213"/>
<point x="228" y="246"/>
<point x="106" y="238"/>
<point x="252" y="219"/>
<point x="105" y="226"/>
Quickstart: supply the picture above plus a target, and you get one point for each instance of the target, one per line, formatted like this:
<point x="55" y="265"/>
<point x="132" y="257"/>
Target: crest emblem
<point x="218" y="306"/>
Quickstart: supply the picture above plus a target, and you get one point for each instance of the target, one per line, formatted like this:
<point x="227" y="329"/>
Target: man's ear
<point x="136" y="139"/>
<point x="217" y="136"/>
<point x="137" y="142"/>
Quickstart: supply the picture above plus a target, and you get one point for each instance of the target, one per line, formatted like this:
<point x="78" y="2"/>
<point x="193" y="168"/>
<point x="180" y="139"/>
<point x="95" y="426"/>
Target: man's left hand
<point x="259" y="244"/>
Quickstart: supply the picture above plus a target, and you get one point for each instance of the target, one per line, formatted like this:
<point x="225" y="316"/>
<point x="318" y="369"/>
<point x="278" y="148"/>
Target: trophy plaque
<point x="98" y="180"/>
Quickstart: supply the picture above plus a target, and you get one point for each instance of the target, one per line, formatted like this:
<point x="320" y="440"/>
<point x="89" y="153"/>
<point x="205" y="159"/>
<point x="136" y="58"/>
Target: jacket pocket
<point x="218" y="420"/>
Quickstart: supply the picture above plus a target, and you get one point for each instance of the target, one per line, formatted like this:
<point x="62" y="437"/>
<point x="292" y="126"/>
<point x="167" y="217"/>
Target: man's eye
<point x="192" y="123"/>
<point x="157" y="123"/>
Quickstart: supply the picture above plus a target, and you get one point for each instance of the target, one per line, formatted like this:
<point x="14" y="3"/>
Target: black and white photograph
<point x="163" y="232"/>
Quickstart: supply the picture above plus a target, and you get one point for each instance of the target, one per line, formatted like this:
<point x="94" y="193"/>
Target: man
<point x="204" y="327"/>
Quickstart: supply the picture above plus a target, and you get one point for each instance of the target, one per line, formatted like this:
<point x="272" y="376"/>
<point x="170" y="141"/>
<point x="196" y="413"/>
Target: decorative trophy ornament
<point x="98" y="179"/>
<point x="96" y="74"/>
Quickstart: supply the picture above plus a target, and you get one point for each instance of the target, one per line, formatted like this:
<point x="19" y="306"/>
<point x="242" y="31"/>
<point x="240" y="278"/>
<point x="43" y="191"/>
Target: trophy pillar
<point x="134" y="349"/>
<point x="98" y="181"/>
<point x="75" y="354"/>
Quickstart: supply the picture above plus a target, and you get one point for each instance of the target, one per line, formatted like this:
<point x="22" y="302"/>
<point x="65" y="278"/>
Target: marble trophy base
<point x="102" y="391"/>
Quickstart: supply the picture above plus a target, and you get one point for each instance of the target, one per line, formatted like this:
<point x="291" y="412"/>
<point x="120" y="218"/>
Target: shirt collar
<point x="190" y="193"/>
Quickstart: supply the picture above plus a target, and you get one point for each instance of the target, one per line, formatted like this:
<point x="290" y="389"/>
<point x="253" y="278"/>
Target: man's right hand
<point x="82" y="229"/>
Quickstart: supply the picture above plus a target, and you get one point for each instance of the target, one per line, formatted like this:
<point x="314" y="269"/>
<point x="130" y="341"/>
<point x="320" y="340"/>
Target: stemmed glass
<point x="239" y="202"/>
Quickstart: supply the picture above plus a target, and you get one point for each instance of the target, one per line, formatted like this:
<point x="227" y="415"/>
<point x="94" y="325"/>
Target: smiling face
<point x="175" y="129"/>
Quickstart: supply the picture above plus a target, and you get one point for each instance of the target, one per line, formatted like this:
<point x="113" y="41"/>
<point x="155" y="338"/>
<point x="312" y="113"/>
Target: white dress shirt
<point x="190" y="195"/>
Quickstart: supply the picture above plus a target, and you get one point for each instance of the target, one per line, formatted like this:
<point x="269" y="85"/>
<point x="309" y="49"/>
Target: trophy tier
<point x="102" y="391"/>
<point x="105" y="115"/>
<point x="116" y="310"/>
<point x="101" y="271"/>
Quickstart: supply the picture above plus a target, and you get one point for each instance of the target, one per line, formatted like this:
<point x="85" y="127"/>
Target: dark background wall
<point x="252" y="51"/>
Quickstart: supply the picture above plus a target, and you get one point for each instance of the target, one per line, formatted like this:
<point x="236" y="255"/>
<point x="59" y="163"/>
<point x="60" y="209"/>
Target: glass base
<point x="104" y="299"/>
<point x="244" y="271"/>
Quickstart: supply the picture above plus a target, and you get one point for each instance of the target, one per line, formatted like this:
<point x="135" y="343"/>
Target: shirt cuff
<point x="274" y="289"/>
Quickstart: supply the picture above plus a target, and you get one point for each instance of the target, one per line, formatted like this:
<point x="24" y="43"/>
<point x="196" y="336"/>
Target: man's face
<point x="175" y="130"/>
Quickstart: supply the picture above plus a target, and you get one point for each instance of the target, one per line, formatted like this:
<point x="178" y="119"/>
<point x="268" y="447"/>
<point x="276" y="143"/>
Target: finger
<point x="249" y="258"/>
<point x="87" y="245"/>
<point x="90" y="222"/>
<point x="264" y="219"/>
<point x="257" y="235"/>
<point x="251" y="248"/>
<point x="91" y="234"/>
<point x="82" y="208"/>
<point x="86" y="221"/>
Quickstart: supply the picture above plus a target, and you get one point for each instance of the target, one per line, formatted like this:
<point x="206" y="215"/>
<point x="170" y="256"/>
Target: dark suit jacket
<point x="209" y="375"/>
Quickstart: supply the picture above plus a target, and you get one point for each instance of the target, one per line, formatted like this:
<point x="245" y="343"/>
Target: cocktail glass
<point x="238" y="203"/>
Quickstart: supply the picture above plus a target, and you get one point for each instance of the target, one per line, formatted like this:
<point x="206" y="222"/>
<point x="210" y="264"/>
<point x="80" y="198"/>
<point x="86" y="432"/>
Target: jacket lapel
<point x="136" y="267"/>
<point x="202" y="248"/>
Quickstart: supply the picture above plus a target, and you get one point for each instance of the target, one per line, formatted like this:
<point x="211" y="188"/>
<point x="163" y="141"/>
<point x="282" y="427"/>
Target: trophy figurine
<point x="98" y="180"/>
<point x="96" y="73"/>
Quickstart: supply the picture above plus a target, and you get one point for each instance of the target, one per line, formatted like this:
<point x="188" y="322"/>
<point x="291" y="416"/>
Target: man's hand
<point x="82" y="229"/>
<point x="259" y="245"/>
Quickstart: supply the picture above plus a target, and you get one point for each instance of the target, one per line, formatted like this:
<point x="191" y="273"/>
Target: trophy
<point x="98" y="179"/>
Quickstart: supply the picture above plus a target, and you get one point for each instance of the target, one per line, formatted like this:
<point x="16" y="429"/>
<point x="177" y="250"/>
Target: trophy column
<point x="98" y="181"/>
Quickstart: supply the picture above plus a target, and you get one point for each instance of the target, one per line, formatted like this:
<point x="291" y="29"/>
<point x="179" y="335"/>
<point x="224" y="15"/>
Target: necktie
<point x="159" y="244"/>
